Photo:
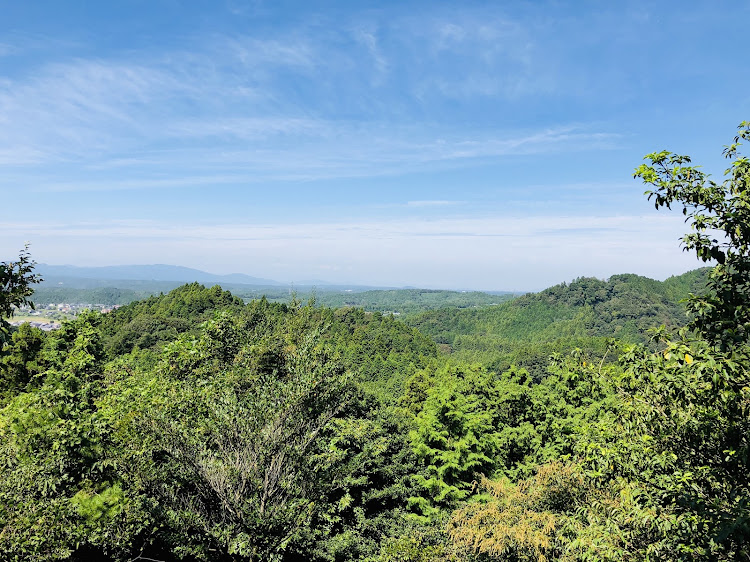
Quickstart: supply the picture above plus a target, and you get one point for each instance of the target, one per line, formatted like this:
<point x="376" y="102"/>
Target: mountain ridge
<point x="151" y="272"/>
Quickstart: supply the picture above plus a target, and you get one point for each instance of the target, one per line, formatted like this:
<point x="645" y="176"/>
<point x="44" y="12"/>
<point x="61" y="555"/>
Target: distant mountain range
<point x="158" y="272"/>
<point x="157" y="278"/>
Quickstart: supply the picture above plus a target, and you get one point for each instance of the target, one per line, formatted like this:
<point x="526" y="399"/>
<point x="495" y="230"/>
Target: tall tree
<point x="719" y="215"/>
<point x="16" y="278"/>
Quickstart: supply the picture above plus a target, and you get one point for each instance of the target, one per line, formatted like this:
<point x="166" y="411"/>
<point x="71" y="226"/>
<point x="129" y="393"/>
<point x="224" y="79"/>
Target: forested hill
<point x="396" y="301"/>
<point x="583" y="313"/>
<point x="410" y="301"/>
<point x="381" y="349"/>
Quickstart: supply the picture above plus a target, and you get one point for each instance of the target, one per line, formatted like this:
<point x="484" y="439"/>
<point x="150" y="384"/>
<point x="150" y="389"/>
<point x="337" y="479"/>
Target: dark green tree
<point x="21" y="360"/>
<point x="57" y="497"/>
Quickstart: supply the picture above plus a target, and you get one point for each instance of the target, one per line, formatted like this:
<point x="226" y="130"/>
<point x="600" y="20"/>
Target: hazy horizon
<point x="487" y="146"/>
<point x="301" y="282"/>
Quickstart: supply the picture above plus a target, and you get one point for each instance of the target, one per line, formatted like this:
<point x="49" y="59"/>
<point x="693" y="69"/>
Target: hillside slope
<point x="582" y="314"/>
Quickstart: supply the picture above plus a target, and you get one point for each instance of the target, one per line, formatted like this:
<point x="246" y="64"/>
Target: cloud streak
<point x="283" y="150"/>
<point x="387" y="252"/>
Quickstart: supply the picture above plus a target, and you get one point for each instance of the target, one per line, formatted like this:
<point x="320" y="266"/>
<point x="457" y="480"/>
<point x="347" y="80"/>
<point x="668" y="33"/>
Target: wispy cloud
<point x="7" y="49"/>
<point x="526" y="228"/>
<point x="281" y="149"/>
<point x="433" y="203"/>
<point x="368" y="38"/>
<point x="480" y="54"/>
<point x="247" y="128"/>
<point x="260" y="108"/>
<point x="79" y="109"/>
<point x="293" y="51"/>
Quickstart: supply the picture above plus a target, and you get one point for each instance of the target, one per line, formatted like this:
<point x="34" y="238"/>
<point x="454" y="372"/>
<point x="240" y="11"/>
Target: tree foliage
<point x="16" y="279"/>
<point x="719" y="215"/>
<point x="235" y="416"/>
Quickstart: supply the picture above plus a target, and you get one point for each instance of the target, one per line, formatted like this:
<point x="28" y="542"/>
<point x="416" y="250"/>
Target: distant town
<point x="50" y="317"/>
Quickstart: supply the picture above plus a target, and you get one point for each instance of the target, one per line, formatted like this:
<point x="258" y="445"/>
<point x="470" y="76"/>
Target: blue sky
<point x="485" y="145"/>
